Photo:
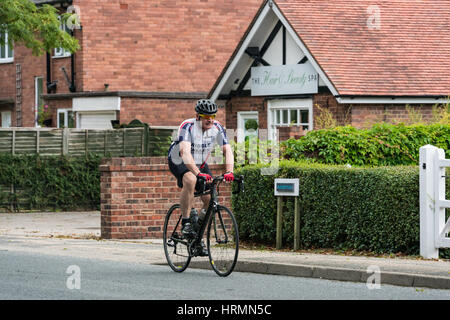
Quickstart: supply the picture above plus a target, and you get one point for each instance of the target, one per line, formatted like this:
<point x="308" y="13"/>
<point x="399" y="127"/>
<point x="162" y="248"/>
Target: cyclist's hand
<point x="229" y="176"/>
<point x="204" y="176"/>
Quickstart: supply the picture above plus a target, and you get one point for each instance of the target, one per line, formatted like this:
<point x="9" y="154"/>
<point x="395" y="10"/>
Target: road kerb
<point x="334" y="273"/>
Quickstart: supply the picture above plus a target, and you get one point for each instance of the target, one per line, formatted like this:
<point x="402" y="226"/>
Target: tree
<point x="36" y="27"/>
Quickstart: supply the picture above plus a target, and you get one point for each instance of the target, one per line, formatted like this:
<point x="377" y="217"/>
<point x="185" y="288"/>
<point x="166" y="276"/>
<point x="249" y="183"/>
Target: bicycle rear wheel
<point x="223" y="241"/>
<point x="175" y="246"/>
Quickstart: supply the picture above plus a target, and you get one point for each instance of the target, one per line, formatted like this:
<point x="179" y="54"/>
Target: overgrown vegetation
<point x="32" y="182"/>
<point x="381" y="145"/>
<point x="365" y="209"/>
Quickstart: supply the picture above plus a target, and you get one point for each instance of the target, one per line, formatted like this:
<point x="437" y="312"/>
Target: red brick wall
<point x="177" y="46"/>
<point x="340" y="112"/>
<point x="363" y="116"/>
<point x="31" y="68"/>
<point x="54" y="105"/>
<point x="357" y="115"/>
<point x="7" y="85"/>
<point x="156" y="112"/>
<point x="36" y="67"/>
<point x="136" y="194"/>
<point x="237" y="104"/>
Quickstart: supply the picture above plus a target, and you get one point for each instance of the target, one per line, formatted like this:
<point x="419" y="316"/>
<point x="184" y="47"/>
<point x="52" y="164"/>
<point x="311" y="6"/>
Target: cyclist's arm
<point x="229" y="158"/>
<point x="188" y="160"/>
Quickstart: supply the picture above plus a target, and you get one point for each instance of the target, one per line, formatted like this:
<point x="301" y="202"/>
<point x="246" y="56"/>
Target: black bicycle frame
<point x="212" y="206"/>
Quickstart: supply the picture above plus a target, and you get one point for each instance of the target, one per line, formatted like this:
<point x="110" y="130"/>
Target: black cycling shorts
<point x="178" y="170"/>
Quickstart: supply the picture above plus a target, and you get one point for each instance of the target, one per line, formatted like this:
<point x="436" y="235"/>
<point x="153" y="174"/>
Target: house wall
<point x="237" y="104"/>
<point x="33" y="67"/>
<point x="357" y="115"/>
<point x="363" y="116"/>
<point x="136" y="194"/>
<point x="155" y="46"/>
<point x="160" y="112"/>
<point x="147" y="46"/>
<point x="55" y="104"/>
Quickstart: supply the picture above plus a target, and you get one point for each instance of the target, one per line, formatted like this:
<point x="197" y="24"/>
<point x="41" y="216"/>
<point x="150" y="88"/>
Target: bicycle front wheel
<point x="223" y="241"/>
<point x="175" y="246"/>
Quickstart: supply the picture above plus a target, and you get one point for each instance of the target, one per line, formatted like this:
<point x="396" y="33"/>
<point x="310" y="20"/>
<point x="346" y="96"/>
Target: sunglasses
<point x="207" y="116"/>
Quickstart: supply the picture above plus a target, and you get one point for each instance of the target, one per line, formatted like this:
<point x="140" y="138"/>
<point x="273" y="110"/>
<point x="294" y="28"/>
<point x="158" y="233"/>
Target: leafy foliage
<point x="38" y="28"/>
<point x="35" y="182"/>
<point x="381" y="145"/>
<point x="366" y="209"/>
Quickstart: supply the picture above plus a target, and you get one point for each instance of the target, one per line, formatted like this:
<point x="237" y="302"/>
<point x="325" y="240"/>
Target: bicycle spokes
<point x="175" y="247"/>
<point x="223" y="241"/>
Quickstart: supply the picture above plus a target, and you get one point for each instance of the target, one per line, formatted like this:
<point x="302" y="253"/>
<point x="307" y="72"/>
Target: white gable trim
<point x="400" y="100"/>
<point x="240" y="53"/>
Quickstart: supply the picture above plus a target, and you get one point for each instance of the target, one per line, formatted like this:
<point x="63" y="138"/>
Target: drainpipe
<point x="72" y="87"/>
<point x="51" y="86"/>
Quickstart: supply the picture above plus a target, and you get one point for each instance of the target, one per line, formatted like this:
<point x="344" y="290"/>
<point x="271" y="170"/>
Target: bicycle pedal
<point x="171" y="243"/>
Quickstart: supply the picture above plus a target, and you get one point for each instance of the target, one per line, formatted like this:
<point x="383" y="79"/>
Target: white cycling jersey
<point x="202" y="142"/>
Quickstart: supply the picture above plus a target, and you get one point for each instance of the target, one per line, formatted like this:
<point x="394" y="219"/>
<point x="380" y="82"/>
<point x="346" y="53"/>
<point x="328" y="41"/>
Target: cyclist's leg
<point x="187" y="193"/>
<point x="184" y="181"/>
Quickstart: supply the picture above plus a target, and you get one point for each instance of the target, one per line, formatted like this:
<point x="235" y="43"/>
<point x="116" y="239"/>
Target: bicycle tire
<point x="175" y="248"/>
<point x="223" y="241"/>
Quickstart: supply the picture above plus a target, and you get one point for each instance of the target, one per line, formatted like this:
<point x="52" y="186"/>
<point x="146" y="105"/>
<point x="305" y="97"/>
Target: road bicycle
<point x="222" y="237"/>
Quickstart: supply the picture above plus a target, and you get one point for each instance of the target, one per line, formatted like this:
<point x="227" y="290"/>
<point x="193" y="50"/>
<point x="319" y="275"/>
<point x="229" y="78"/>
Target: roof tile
<point x="408" y="53"/>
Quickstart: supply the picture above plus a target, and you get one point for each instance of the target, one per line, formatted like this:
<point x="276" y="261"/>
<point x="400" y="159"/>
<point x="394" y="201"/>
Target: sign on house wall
<point x="285" y="79"/>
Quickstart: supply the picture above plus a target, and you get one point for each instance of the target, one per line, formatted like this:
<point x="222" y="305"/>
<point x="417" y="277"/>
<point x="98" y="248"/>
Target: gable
<point x="277" y="44"/>
<point x="400" y="60"/>
<point x="377" y="48"/>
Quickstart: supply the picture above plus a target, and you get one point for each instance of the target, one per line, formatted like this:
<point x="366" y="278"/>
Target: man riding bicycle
<point x="189" y="153"/>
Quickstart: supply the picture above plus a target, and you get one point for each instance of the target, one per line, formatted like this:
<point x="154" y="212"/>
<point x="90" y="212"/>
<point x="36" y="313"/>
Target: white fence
<point x="434" y="229"/>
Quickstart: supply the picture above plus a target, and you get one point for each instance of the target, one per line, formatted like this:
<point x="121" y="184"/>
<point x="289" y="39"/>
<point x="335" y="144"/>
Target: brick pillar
<point x="136" y="194"/>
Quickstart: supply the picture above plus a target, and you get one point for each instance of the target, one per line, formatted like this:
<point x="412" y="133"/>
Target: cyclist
<point x="188" y="155"/>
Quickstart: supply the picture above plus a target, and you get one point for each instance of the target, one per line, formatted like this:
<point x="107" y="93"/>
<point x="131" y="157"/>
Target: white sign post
<point x="433" y="225"/>
<point x="285" y="79"/>
<point x="426" y="161"/>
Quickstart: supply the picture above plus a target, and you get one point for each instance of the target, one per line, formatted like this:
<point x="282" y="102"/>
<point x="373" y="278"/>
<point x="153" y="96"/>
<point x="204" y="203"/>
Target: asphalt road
<point x="30" y="275"/>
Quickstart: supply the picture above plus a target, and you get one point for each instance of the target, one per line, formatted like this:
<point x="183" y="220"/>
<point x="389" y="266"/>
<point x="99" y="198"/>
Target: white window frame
<point x="36" y="98"/>
<point x="61" y="52"/>
<point x="7" y="59"/>
<point x="288" y="104"/>
<point x="66" y="117"/>
<point x="241" y="116"/>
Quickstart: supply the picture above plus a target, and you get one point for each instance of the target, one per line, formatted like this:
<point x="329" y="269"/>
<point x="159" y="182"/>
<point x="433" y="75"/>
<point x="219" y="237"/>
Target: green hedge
<point x="373" y="209"/>
<point x="32" y="182"/>
<point x="381" y="145"/>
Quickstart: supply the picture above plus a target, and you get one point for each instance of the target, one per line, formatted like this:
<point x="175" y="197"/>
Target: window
<point x="66" y="118"/>
<point x="295" y="112"/>
<point x="6" y="51"/>
<point x="38" y="101"/>
<point x="61" y="52"/>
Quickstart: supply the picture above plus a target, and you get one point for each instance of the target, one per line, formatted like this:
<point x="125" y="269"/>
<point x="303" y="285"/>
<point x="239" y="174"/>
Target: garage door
<point x="96" y="120"/>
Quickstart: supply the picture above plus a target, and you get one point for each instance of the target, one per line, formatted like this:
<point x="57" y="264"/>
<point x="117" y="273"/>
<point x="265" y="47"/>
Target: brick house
<point x="365" y="61"/>
<point x="149" y="60"/>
